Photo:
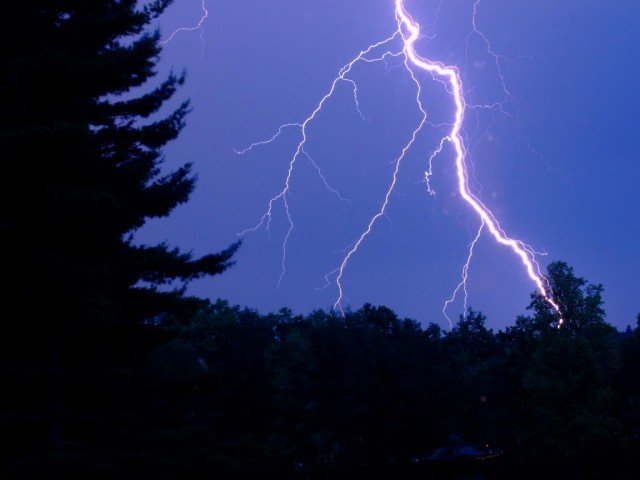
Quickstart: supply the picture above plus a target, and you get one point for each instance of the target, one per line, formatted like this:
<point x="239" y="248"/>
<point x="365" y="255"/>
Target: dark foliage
<point x="283" y="396"/>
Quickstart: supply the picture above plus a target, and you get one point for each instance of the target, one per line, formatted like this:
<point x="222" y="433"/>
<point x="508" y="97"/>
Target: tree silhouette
<point x="82" y="131"/>
<point x="81" y="143"/>
<point x="580" y="302"/>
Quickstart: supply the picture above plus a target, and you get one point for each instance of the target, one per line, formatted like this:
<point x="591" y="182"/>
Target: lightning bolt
<point x="463" y="281"/>
<point x="408" y="32"/>
<point x="203" y="18"/>
<point x="265" y="220"/>
<point x="494" y="55"/>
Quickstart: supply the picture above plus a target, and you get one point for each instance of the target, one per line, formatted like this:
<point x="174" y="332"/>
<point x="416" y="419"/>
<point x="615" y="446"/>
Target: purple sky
<point x="559" y="168"/>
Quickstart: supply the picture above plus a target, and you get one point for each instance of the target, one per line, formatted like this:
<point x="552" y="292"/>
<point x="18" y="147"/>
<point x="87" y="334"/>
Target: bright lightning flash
<point x="408" y="32"/>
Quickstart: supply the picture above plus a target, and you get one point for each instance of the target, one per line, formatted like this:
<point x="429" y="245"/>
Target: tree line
<point x="237" y="393"/>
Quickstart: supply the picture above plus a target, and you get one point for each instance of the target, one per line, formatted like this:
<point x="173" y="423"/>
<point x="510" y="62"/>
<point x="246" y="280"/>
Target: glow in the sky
<point x="406" y="35"/>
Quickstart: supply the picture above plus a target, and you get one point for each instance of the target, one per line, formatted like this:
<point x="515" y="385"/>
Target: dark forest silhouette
<point x="108" y="370"/>
<point x="237" y="393"/>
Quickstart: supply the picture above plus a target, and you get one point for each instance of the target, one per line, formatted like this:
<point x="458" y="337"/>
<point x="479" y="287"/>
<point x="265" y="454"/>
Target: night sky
<point x="558" y="166"/>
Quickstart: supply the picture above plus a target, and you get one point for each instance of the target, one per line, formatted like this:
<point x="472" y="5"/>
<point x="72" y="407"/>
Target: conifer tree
<point x="81" y="151"/>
